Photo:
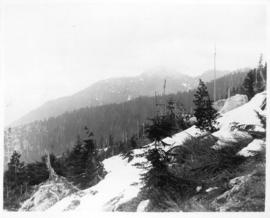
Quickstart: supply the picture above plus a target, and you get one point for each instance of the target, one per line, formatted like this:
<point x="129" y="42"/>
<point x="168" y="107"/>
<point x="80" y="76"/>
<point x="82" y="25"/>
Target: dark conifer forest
<point x="114" y="126"/>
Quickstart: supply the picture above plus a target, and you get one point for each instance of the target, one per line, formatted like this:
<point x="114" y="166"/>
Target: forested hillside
<point x="81" y="165"/>
<point x="112" y="90"/>
<point x="118" y="90"/>
<point x="111" y="124"/>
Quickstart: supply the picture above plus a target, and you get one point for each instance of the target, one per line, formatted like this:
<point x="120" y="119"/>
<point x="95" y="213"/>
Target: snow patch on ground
<point x="121" y="184"/>
<point x="180" y="138"/>
<point x="255" y="146"/>
<point x="123" y="181"/>
<point x="142" y="207"/>
<point x="244" y="114"/>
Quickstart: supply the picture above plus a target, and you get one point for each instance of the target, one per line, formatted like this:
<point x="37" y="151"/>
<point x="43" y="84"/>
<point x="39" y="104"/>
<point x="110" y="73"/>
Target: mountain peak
<point x="162" y="72"/>
<point x="114" y="90"/>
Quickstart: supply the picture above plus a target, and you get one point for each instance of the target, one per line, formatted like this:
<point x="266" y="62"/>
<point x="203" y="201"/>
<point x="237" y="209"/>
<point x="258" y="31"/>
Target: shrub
<point x="196" y="160"/>
<point x="175" y="174"/>
<point x="160" y="182"/>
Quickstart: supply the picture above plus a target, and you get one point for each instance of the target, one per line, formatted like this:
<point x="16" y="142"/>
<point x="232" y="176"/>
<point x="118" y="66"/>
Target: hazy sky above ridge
<point x="54" y="48"/>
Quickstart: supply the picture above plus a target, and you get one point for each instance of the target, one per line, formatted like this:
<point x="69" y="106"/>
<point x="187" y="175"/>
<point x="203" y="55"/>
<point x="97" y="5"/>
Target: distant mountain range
<point x="117" y="90"/>
<point x="208" y="75"/>
<point x="110" y="122"/>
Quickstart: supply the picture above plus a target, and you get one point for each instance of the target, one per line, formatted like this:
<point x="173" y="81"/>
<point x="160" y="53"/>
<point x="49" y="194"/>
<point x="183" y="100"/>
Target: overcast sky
<point x="55" y="48"/>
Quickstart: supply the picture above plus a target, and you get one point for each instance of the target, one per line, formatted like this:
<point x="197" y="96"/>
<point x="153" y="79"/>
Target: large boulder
<point x="245" y="114"/>
<point x="233" y="102"/>
<point x="218" y="105"/>
<point x="242" y="124"/>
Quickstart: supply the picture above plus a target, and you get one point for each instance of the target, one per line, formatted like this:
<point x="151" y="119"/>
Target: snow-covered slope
<point x="123" y="181"/>
<point x="121" y="184"/>
<point x="245" y="115"/>
<point x="180" y="137"/>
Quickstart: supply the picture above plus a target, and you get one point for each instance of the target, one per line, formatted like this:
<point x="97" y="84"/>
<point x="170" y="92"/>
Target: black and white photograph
<point x="134" y="106"/>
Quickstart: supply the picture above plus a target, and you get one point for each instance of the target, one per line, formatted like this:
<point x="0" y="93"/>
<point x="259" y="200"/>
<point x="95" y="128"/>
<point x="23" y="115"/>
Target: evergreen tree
<point x="36" y="172"/>
<point x="255" y="80"/>
<point x="84" y="168"/>
<point x="16" y="171"/>
<point x="260" y="80"/>
<point x="204" y="112"/>
<point x="15" y="182"/>
<point x="161" y="127"/>
<point x="249" y="84"/>
<point x="133" y="142"/>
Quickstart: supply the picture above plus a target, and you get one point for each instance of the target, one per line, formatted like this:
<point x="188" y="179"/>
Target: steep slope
<point x="113" y="90"/>
<point x="121" y="184"/>
<point x="117" y="90"/>
<point x="208" y="75"/>
<point x="57" y="134"/>
<point x="123" y="181"/>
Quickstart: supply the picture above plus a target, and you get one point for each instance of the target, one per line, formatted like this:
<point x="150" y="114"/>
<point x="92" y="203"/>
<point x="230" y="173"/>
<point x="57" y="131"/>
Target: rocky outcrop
<point x="233" y="102"/>
<point x="218" y="105"/>
<point x="48" y="193"/>
<point x="246" y="193"/>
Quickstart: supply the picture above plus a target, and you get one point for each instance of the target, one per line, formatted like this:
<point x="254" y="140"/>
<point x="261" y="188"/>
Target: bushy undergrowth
<point x="176" y="174"/>
<point x="160" y="183"/>
<point x="197" y="160"/>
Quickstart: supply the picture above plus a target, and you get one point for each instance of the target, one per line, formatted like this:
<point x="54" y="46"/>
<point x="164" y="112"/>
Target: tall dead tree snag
<point x="52" y="173"/>
<point x="215" y="76"/>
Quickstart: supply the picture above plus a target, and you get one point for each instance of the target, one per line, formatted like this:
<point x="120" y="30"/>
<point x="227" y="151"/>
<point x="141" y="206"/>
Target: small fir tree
<point x="16" y="170"/>
<point x="204" y="112"/>
<point x="14" y="182"/>
<point x="84" y="168"/>
<point x="249" y="84"/>
<point x="161" y="127"/>
<point x="260" y="74"/>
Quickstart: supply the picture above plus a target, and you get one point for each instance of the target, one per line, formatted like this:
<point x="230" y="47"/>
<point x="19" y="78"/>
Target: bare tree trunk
<point x="7" y="192"/>
<point x="261" y="74"/>
<point x="52" y="173"/>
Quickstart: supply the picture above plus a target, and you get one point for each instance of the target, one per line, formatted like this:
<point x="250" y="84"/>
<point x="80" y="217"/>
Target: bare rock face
<point x="48" y="193"/>
<point x="246" y="193"/>
<point x="225" y="105"/>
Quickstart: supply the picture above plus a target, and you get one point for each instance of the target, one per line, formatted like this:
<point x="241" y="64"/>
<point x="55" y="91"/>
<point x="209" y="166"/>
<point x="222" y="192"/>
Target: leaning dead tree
<point x="52" y="173"/>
